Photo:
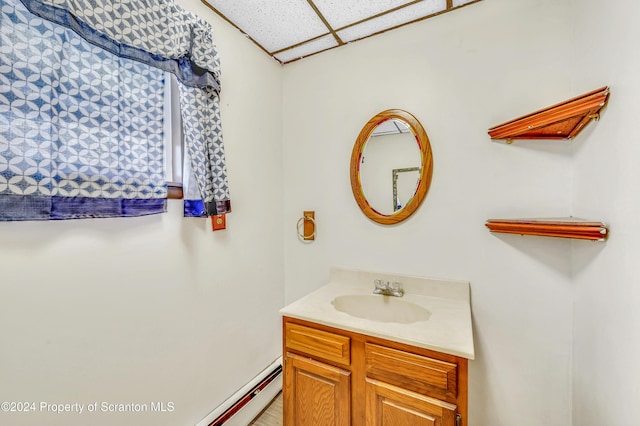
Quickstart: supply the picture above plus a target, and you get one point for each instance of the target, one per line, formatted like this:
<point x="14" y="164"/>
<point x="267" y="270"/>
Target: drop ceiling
<point x="289" y="30"/>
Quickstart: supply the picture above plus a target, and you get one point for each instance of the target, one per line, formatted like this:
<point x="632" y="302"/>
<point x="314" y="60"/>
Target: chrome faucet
<point x="387" y="288"/>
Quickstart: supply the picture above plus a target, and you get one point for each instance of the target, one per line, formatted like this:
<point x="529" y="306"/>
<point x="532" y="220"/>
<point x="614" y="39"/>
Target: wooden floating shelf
<point x="561" y="121"/>
<point x="555" y="227"/>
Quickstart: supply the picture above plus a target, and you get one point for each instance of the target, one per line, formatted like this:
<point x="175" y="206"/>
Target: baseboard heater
<point x="243" y="406"/>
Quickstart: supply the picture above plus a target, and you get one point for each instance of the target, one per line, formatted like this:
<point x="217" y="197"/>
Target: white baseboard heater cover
<point x="243" y="406"/>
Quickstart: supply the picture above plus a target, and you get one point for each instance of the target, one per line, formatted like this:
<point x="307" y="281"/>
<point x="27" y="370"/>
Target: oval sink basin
<point x="380" y="308"/>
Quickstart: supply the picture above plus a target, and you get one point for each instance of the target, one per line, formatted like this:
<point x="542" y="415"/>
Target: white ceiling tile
<point x="274" y="24"/>
<point x="307" y="49"/>
<point x="457" y="3"/>
<point x="385" y="128"/>
<point x="393" y="19"/>
<point x="390" y="127"/>
<point x="340" y="13"/>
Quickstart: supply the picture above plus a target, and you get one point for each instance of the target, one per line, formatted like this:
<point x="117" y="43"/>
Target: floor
<point x="272" y="415"/>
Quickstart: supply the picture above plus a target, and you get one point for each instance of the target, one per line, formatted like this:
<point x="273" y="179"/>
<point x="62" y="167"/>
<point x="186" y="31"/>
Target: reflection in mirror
<point x="391" y="166"/>
<point x="391" y="147"/>
<point x="405" y="185"/>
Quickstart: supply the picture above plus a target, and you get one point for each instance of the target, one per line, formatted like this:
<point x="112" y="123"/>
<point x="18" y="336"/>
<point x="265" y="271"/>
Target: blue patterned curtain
<point x="157" y="32"/>
<point x="81" y="130"/>
<point x="160" y="34"/>
<point x="205" y="170"/>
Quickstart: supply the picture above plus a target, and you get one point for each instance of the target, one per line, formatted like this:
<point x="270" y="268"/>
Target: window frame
<point x="174" y="139"/>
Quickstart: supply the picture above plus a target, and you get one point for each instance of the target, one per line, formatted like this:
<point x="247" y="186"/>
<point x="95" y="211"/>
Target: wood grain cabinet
<point x="337" y="377"/>
<point x="389" y="405"/>
<point x="318" y="393"/>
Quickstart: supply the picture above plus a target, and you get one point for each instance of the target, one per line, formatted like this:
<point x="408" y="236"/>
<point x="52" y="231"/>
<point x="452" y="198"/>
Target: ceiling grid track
<point x="323" y="19"/>
<point x="289" y="30"/>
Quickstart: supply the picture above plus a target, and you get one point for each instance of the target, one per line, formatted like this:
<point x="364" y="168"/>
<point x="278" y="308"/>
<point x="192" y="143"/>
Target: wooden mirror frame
<point x="426" y="165"/>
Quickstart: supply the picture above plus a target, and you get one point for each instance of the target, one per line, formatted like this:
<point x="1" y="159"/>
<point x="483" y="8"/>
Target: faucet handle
<point x="380" y="286"/>
<point x="396" y="288"/>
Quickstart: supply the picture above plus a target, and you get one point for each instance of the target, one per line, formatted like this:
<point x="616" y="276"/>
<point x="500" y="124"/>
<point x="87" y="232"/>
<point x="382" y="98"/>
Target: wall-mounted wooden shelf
<point x="561" y="121"/>
<point x="568" y="227"/>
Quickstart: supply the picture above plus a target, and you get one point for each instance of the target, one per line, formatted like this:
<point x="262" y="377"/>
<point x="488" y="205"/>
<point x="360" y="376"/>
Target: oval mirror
<point x="391" y="166"/>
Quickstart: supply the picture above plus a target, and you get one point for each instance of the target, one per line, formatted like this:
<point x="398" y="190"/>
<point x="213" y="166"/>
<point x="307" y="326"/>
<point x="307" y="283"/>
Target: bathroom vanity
<point x="354" y="358"/>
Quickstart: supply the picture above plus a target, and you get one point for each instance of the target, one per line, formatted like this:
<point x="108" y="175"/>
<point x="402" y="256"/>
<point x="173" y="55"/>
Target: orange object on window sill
<point x="219" y="222"/>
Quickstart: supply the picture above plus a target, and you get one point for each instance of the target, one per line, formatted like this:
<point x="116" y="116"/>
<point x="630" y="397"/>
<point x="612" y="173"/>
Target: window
<point x="173" y="138"/>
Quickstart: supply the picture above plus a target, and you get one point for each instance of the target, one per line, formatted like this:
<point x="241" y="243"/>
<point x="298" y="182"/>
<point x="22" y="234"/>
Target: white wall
<point x="459" y="74"/>
<point x="606" y="372"/>
<point x="156" y="308"/>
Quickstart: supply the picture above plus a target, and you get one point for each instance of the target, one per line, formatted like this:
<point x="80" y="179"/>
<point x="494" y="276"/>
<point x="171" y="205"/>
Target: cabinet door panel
<point x="388" y="405"/>
<point x="316" y="394"/>
<point x="418" y="373"/>
<point x="318" y="344"/>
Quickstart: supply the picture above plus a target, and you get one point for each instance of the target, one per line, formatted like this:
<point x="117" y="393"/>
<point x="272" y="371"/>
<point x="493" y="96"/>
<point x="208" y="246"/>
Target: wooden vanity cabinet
<point x="337" y="377"/>
<point x="390" y="405"/>
<point x="320" y="393"/>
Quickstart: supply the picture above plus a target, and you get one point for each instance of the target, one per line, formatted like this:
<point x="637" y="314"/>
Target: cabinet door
<point x="389" y="405"/>
<point x="315" y="394"/>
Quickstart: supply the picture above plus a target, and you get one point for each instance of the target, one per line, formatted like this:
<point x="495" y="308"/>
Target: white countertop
<point x="447" y="330"/>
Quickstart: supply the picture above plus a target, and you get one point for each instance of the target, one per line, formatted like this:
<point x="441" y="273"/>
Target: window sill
<point x="174" y="191"/>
